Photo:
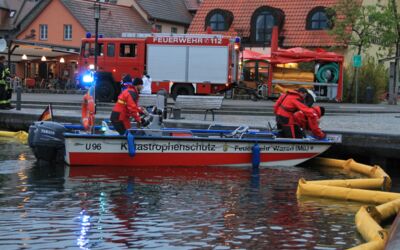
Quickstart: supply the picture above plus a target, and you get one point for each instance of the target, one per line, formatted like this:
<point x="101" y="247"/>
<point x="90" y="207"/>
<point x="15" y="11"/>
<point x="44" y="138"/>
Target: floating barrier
<point x="393" y="242"/>
<point x="351" y="165"/>
<point x="342" y="193"/>
<point x="283" y="89"/>
<point x="368" y="218"/>
<point x="20" y="135"/>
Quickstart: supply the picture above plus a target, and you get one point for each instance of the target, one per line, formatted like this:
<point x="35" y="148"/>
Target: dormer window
<point x="262" y="22"/>
<point x="317" y="19"/>
<point x="219" y="20"/>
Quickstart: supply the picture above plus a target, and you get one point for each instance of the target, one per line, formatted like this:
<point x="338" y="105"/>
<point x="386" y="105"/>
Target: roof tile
<point x="295" y="19"/>
<point x="167" y="10"/>
<point x="114" y="19"/>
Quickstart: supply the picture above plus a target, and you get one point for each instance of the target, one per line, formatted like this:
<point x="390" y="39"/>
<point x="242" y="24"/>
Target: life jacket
<point x="310" y="122"/>
<point x="127" y="106"/>
<point x="288" y="104"/>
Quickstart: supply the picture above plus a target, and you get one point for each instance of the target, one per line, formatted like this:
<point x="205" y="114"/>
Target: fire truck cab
<point x="178" y="63"/>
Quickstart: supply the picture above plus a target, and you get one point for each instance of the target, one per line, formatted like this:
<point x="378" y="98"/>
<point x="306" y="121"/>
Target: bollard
<point x="19" y="92"/>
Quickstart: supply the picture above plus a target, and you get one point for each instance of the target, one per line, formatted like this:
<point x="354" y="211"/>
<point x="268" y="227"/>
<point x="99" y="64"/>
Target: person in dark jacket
<point x="284" y="109"/>
<point x="127" y="106"/>
<point x="311" y="123"/>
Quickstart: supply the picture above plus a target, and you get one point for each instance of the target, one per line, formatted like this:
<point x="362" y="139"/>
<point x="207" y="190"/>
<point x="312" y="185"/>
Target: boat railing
<point x="161" y="132"/>
<point x="240" y="131"/>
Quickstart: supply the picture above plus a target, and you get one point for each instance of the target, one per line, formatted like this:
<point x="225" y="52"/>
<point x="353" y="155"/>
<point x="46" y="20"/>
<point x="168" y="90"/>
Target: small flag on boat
<point x="47" y="114"/>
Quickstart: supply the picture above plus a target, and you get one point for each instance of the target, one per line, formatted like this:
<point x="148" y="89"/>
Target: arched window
<point x="262" y="22"/>
<point x="219" y="20"/>
<point x="318" y="19"/>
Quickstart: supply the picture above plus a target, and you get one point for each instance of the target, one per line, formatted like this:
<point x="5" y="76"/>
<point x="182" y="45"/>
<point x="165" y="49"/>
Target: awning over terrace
<point x="35" y="50"/>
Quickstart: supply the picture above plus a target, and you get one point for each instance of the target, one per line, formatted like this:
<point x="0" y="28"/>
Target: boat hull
<point x="183" y="151"/>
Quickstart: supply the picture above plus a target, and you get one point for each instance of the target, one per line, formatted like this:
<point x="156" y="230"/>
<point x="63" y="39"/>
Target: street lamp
<point x="60" y="74"/>
<point x="24" y="58"/>
<point x="97" y="11"/>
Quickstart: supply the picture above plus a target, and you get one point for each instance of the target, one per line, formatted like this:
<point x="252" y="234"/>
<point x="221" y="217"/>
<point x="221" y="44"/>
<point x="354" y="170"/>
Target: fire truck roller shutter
<point x="208" y="64"/>
<point x="167" y="63"/>
<point x="182" y="89"/>
<point x="106" y="88"/>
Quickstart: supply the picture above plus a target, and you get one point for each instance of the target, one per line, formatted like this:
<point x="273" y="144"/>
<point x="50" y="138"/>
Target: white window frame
<point x="67" y="31"/>
<point x="43" y="31"/>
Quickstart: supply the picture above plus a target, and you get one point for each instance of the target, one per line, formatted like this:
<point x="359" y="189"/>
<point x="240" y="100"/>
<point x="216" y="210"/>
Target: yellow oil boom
<point x="20" y="135"/>
<point x="368" y="218"/>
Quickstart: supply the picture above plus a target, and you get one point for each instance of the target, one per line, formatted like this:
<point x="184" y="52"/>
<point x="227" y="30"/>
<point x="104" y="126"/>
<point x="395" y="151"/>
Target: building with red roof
<point x="302" y="23"/>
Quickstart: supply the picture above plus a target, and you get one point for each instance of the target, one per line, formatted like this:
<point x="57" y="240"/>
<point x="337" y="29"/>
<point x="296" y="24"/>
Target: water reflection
<point x="180" y="208"/>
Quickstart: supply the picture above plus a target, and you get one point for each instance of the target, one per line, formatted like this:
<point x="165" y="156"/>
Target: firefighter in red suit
<point x="127" y="106"/>
<point x="284" y="109"/>
<point x="311" y="123"/>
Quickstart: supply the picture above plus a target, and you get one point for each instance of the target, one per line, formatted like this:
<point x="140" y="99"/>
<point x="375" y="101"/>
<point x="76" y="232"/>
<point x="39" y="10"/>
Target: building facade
<point x="49" y="37"/>
<point x="300" y="23"/>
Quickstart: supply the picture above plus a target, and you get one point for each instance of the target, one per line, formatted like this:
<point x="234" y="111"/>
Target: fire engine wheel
<point x="105" y="91"/>
<point x="182" y="90"/>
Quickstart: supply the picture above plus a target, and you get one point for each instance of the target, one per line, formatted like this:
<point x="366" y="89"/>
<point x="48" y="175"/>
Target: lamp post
<point x="24" y="58"/>
<point x="97" y="10"/>
<point x="60" y="74"/>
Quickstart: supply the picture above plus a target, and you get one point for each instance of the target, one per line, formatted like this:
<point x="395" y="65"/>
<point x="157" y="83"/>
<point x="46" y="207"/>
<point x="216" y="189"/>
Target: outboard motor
<point x="47" y="141"/>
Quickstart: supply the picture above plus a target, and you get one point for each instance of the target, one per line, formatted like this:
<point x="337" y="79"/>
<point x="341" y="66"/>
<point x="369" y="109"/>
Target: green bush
<point x="371" y="75"/>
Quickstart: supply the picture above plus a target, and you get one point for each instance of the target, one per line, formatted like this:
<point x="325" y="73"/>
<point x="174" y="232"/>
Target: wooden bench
<point x="152" y="100"/>
<point x="206" y="103"/>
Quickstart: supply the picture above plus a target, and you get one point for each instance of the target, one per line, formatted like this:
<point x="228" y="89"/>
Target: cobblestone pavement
<point x="378" y="122"/>
<point x="370" y="123"/>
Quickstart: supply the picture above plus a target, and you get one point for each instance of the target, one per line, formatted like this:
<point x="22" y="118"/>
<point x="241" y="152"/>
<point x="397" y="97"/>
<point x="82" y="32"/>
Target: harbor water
<point x="57" y="207"/>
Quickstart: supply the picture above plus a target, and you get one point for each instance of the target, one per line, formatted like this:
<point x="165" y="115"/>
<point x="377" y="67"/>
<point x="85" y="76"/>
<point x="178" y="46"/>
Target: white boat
<point x="159" y="146"/>
<point x="191" y="147"/>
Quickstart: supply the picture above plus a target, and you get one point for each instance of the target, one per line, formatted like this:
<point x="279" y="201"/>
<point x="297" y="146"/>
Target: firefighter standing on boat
<point x="5" y="90"/>
<point x="127" y="106"/>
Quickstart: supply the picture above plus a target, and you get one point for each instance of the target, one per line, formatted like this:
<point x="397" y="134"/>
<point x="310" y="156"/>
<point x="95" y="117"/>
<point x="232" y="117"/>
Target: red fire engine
<point x="179" y="63"/>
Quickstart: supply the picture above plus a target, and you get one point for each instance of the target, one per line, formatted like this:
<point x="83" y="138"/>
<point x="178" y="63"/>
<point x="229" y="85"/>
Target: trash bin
<point x="369" y="94"/>
<point x="228" y="94"/>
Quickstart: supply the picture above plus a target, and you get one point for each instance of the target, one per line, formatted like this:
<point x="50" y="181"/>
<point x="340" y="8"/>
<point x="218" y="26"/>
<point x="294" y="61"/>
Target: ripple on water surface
<point x="173" y="208"/>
